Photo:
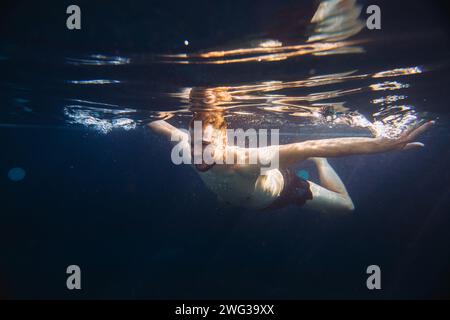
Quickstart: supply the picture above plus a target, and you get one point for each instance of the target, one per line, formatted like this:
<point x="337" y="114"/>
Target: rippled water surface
<point x="336" y="72"/>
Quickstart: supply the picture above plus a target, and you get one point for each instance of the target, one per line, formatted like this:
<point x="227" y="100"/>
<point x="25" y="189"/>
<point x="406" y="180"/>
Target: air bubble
<point x="16" y="174"/>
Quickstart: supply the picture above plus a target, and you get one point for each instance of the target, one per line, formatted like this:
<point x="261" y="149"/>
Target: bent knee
<point x="344" y="206"/>
<point x="350" y="207"/>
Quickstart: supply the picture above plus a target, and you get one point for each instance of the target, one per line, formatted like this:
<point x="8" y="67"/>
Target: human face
<point x="207" y="143"/>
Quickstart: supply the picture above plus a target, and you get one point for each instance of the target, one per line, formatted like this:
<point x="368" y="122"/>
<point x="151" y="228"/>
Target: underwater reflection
<point x="333" y="23"/>
<point x="262" y="101"/>
<point x="315" y="108"/>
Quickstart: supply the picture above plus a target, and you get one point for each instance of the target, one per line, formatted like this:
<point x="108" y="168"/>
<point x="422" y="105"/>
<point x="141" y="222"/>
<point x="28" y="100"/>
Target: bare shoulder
<point x="164" y="128"/>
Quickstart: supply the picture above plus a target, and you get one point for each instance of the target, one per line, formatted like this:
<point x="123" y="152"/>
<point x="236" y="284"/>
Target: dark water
<point x="100" y="190"/>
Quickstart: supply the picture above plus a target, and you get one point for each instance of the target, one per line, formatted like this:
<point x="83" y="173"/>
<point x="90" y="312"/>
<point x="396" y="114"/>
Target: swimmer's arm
<point x="167" y="130"/>
<point x="339" y="147"/>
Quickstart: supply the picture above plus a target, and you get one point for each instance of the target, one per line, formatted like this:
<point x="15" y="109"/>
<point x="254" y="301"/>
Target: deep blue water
<point x="140" y="227"/>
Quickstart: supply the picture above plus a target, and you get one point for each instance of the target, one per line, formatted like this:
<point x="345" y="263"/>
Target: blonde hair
<point x="204" y="105"/>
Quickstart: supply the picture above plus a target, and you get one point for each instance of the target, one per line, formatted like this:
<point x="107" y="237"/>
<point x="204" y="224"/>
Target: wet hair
<point x="205" y="107"/>
<point x="204" y="103"/>
<point x="213" y="118"/>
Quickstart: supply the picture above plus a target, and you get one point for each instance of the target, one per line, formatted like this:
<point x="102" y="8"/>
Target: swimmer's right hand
<point x="406" y="140"/>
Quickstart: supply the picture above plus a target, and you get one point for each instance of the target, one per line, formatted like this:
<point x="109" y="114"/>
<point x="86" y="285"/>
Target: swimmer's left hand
<point x="406" y="139"/>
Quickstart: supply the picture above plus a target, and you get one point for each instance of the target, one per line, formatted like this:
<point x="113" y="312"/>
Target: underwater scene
<point x="224" y="150"/>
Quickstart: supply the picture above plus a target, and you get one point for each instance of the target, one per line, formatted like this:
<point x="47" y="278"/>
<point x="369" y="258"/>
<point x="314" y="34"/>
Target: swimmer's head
<point x="208" y="127"/>
<point x="206" y="111"/>
<point x="208" y="130"/>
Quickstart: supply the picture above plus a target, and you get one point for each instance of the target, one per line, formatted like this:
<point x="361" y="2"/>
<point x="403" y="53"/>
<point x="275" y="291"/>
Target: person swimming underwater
<point x="244" y="185"/>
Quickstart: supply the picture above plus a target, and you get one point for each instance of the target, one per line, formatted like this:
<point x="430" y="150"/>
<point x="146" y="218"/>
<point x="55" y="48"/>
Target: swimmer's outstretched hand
<point x="406" y="140"/>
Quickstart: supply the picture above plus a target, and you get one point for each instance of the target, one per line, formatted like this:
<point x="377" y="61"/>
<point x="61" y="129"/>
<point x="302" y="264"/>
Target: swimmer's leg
<point x="331" y="196"/>
<point x="329" y="179"/>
